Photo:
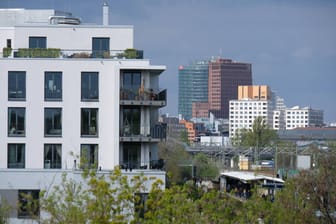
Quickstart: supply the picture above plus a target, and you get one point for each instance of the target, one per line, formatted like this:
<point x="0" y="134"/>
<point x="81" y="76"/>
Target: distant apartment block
<point x="279" y="122"/>
<point x="253" y="102"/>
<point x="297" y="117"/>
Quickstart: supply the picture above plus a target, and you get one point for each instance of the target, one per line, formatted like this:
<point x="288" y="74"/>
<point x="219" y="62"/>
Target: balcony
<point x="156" y="133"/>
<point x="142" y="165"/>
<point x="70" y="53"/>
<point x="146" y="97"/>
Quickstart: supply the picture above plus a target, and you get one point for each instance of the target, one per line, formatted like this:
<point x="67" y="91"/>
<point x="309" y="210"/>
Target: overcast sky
<point x="290" y="43"/>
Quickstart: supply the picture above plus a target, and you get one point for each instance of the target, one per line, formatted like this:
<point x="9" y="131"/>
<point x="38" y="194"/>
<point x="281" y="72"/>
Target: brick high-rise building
<point x="225" y="76"/>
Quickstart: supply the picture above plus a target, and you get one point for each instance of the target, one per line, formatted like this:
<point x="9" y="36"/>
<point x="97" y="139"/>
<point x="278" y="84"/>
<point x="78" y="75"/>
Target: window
<point x="89" y="156"/>
<point x="100" y="47"/>
<point x="131" y="121"/>
<point x="53" y="85"/>
<point x="131" y="83"/>
<point x="16" y="85"/>
<point x="131" y="155"/>
<point x="52" y="156"/>
<point x="140" y="204"/>
<point x="89" y="86"/>
<point x="28" y="204"/>
<point x="9" y="43"/>
<point x="37" y="42"/>
<point x="16" y="121"/>
<point x="16" y="156"/>
<point x="89" y="122"/>
<point x="53" y="121"/>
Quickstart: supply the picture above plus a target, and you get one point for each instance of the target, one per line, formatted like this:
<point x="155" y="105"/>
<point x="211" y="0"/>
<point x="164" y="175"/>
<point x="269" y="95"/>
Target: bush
<point x="6" y="51"/>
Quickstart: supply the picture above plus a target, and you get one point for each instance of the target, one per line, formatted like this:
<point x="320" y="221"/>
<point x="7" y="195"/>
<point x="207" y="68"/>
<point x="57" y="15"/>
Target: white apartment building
<point x="279" y="114"/>
<point x="279" y="120"/>
<point x="69" y="89"/>
<point x="297" y="117"/>
<point x="244" y="111"/>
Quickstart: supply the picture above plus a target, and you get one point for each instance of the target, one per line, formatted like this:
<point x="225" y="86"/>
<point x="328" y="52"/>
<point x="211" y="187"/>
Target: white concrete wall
<point x="75" y="37"/>
<point x="5" y="33"/>
<point x="108" y="107"/>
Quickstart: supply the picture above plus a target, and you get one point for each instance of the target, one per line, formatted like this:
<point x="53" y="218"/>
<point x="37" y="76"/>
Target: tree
<point x="205" y="168"/>
<point x="177" y="161"/>
<point x="259" y="136"/>
<point x="4" y="211"/>
<point x="184" y="137"/>
<point x="99" y="198"/>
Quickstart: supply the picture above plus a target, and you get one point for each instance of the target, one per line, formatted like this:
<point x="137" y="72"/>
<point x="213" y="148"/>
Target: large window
<point x="131" y="155"/>
<point x="89" y="122"/>
<point x="100" y="47"/>
<point x="131" y="121"/>
<point x="16" y="85"/>
<point x="89" y="86"/>
<point x="28" y="203"/>
<point x="89" y="156"/>
<point x="37" y="42"/>
<point x="16" y="156"/>
<point x="53" y="121"/>
<point x="131" y="84"/>
<point x="16" y="121"/>
<point x="52" y="156"/>
<point x="53" y="86"/>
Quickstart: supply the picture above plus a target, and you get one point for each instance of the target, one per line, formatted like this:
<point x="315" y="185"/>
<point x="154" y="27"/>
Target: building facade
<point x="192" y="86"/>
<point x="297" y="117"/>
<point x="253" y="102"/>
<point x="225" y="76"/>
<point x="73" y="96"/>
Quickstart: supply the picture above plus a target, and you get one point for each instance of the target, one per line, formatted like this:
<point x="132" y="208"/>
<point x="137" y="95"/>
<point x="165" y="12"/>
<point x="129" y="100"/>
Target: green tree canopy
<point x="205" y="168"/>
<point x="260" y="135"/>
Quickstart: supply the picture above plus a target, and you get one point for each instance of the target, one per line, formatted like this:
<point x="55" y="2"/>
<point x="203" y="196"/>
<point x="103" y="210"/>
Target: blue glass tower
<point x="193" y="86"/>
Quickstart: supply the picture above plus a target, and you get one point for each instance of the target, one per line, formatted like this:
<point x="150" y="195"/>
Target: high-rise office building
<point x="192" y="86"/>
<point x="225" y="76"/>
<point x="68" y="89"/>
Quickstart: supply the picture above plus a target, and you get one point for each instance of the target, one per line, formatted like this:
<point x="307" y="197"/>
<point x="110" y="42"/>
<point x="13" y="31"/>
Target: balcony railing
<point x="69" y="53"/>
<point x="153" y="164"/>
<point x="156" y="133"/>
<point x="149" y="97"/>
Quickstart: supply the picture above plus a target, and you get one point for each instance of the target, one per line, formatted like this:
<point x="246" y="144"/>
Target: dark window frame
<point x="53" y="91"/>
<point x="131" y="121"/>
<point x="14" y="90"/>
<point x="100" y="47"/>
<point x="55" y="129"/>
<point x="89" y="86"/>
<point x="89" y="156"/>
<point x="15" y="128"/>
<point x="19" y="157"/>
<point x="53" y="154"/>
<point x="89" y="126"/>
<point x="38" y="42"/>
<point x="131" y="155"/>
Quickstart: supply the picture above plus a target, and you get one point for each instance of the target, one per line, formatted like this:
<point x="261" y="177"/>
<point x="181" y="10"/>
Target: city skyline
<point x="290" y="44"/>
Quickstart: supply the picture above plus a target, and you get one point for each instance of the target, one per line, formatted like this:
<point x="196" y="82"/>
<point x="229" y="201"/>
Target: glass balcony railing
<point x="154" y="97"/>
<point x="155" y="133"/>
<point x="153" y="164"/>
